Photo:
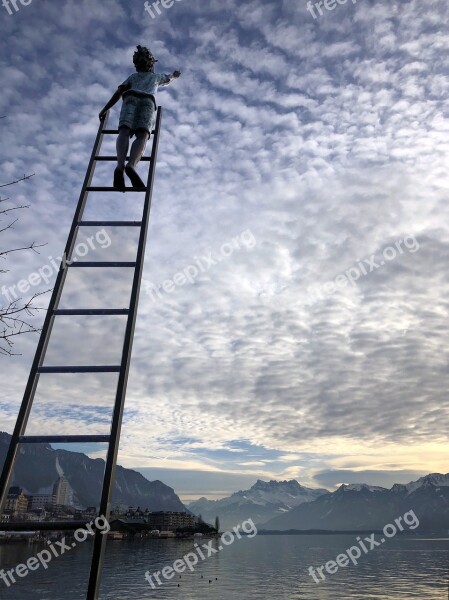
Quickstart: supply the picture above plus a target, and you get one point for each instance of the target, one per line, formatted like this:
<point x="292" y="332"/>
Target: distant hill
<point x="39" y="465"/>
<point x="263" y="501"/>
<point x="360" y="506"/>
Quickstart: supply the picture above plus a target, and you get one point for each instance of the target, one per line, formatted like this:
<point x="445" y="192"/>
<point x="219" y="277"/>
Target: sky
<point x="301" y="190"/>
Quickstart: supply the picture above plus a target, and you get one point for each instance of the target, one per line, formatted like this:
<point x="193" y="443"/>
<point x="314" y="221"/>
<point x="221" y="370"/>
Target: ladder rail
<point x="111" y="458"/>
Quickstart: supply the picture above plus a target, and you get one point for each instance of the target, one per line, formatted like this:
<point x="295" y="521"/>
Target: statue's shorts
<point x="138" y="113"/>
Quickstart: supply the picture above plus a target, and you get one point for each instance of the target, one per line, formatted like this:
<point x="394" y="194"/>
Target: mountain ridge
<point x="39" y="465"/>
<point x="359" y="506"/>
<point x="261" y="502"/>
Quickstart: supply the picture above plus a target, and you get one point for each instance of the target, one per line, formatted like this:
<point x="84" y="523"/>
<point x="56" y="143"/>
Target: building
<point x="162" y="524"/>
<point x="39" y="501"/>
<point x="119" y="509"/>
<point x="170" y="521"/>
<point x="62" y="492"/>
<point x="129" y="525"/>
<point x="39" y="514"/>
<point x="16" y="501"/>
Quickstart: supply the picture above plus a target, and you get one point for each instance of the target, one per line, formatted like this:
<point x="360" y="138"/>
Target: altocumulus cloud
<point x="328" y="140"/>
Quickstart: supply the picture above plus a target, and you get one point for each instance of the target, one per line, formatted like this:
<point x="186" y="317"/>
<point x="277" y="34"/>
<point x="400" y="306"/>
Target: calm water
<point x="264" y="567"/>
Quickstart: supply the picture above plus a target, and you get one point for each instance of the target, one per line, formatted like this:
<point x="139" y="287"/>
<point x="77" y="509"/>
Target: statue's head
<point x="143" y="59"/>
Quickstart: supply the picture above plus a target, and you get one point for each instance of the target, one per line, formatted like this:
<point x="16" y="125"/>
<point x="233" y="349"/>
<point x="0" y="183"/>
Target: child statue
<point x="137" y="115"/>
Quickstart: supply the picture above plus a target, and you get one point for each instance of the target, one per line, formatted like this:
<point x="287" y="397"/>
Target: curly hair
<point x="143" y="59"/>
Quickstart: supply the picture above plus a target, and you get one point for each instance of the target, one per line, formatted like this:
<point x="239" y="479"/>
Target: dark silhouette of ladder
<point x="122" y="369"/>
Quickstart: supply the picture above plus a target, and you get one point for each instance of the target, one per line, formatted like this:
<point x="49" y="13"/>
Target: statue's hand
<point x="176" y="74"/>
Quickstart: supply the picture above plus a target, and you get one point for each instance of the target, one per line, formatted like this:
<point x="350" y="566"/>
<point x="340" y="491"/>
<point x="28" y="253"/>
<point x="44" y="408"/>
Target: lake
<point x="263" y="567"/>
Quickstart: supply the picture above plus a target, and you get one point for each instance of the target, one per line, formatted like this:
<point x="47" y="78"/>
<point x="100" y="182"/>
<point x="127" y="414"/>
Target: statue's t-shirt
<point x="145" y="84"/>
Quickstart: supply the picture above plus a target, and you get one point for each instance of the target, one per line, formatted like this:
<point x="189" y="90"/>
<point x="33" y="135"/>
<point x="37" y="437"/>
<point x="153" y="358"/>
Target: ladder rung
<point x="101" y="264"/>
<point x="62" y="439"/>
<point x="114" y="158"/>
<point x="43" y="526"/>
<point x="112" y="189"/>
<point x="115" y="131"/>
<point x="110" y="224"/>
<point x="90" y="311"/>
<point x="75" y="369"/>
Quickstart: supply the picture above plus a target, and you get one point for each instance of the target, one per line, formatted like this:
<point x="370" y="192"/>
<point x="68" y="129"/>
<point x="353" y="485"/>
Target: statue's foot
<point x="119" y="180"/>
<point x="134" y="177"/>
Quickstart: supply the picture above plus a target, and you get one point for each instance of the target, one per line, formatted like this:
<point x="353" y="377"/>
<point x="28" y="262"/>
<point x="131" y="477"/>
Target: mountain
<point x="39" y="465"/>
<point x="360" y="506"/>
<point x="263" y="501"/>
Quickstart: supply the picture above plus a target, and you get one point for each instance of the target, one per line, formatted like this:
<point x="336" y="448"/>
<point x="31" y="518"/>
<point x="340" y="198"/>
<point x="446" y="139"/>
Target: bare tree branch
<point x="32" y="247"/>
<point x="3" y="211"/>
<point x="9" y="226"/>
<point x="13" y="324"/>
<point x="24" y="178"/>
<point x="14" y="318"/>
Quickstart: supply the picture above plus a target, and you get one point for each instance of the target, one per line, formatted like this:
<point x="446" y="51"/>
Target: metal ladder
<point x="122" y="369"/>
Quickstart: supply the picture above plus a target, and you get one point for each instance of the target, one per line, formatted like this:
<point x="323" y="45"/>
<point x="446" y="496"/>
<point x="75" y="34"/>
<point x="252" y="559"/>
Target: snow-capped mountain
<point x="357" y="487"/>
<point x="432" y="480"/>
<point x="263" y="501"/>
<point x="365" y="507"/>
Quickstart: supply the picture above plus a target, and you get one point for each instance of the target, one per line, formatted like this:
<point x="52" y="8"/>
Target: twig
<point x="32" y="247"/>
<point x="24" y="178"/>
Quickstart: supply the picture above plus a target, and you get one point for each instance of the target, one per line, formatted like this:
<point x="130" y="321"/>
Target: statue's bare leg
<point x="122" y="146"/>
<point x="122" y="151"/>
<point x="137" y="150"/>
<point x="138" y="147"/>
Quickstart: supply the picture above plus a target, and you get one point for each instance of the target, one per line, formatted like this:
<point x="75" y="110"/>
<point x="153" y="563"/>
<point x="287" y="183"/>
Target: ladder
<point x="19" y="436"/>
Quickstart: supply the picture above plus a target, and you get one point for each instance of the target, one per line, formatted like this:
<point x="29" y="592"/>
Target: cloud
<point x="327" y="140"/>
